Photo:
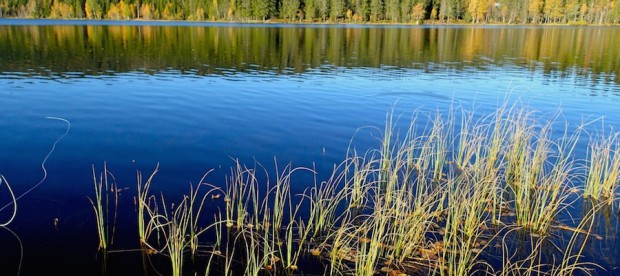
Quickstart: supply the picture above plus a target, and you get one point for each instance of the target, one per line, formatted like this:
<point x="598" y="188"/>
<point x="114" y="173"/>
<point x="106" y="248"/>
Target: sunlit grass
<point x="142" y="203"/>
<point x="466" y="205"/>
<point x="104" y="186"/>
<point x="603" y="168"/>
<point x="541" y="187"/>
<point x="430" y="199"/>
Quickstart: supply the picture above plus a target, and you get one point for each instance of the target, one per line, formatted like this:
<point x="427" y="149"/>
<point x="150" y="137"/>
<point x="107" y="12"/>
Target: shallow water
<point x="193" y="97"/>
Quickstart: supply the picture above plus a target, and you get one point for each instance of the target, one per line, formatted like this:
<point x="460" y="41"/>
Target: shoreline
<point x="270" y="22"/>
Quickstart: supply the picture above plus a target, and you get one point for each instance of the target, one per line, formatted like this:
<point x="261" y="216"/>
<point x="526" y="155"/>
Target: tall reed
<point x="240" y="189"/>
<point x="415" y="203"/>
<point x="196" y="205"/>
<point x="324" y="199"/>
<point x="467" y="203"/>
<point x="603" y="173"/>
<point x="571" y="264"/>
<point x="541" y="173"/>
<point x="142" y="203"/>
<point x="103" y="186"/>
<point x="174" y="226"/>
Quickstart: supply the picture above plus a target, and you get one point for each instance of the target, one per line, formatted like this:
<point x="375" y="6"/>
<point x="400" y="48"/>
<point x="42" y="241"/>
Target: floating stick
<point x="15" y="199"/>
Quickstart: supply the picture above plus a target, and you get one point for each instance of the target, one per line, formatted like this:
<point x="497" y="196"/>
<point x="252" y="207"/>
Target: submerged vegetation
<point x="442" y="198"/>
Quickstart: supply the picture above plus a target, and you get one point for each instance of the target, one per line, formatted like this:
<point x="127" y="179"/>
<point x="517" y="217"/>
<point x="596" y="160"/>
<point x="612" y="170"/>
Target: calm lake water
<point x="193" y="97"/>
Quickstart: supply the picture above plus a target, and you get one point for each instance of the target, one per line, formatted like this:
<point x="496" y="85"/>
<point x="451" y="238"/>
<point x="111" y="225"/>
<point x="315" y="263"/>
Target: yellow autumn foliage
<point x="61" y="10"/>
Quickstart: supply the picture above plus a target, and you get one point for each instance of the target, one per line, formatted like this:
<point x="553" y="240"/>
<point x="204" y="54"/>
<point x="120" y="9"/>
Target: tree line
<point x="397" y="11"/>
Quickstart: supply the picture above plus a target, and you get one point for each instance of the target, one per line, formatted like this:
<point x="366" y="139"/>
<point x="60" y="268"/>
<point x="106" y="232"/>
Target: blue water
<point x="190" y="124"/>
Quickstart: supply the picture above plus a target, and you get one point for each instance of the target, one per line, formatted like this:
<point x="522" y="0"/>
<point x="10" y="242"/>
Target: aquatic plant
<point x="104" y="186"/>
<point x="174" y="227"/>
<point x="603" y="168"/>
<point x="239" y="189"/>
<point x="142" y="203"/>
<point x="573" y="252"/>
<point x="466" y="206"/>
<point x="429" y="201"/>
<point x="196" y="205"/>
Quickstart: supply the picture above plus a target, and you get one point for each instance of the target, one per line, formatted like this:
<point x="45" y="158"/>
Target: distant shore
<point x="139" y="21"/>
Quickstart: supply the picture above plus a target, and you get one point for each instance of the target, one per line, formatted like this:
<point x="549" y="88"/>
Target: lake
<point x="194" y="97"/>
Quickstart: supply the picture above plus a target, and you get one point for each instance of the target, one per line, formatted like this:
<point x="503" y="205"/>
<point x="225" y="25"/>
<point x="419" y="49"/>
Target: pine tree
<point x="392" y="10"/>
<point x="310" y="9"/>
<point x="405" y="10"/>
<point x="360" y="10"/>
<point x="337" y="9"/>
<point x="376" y="10"/>
<point x="289" y="9"/>
<point x="261" y="9"/>
<point x="323" y="8"/>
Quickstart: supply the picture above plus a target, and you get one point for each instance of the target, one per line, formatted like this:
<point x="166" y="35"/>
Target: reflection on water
<point x="73" y="51"/>
<point x="192" y="97"/>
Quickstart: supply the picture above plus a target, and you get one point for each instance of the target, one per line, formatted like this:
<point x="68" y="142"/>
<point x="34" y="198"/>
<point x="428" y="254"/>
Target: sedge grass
<point x="103" y="186"/>
<point x="143" y="203"/>
<point x="420" y="204"/>
<point x="369" y="250"/>
<point x="283" y="203"/>
<point x="241" y="191"/>
<point x="338" y="244"/>
<point x="177" y="226"/>
<point x="542" y="201"/>
<point x="196" y="205"/>
<point x="217" y="243"/>
<point x="174" y="226"/>
<point x="571" y="263"/>
<point x="357" y="185"/>
<point x="603" y="173"/>
<point x="465" y="213"/>
<point x="518" y="146"/>
<point x="324" y="199"/>
<point x="488" y="169"/>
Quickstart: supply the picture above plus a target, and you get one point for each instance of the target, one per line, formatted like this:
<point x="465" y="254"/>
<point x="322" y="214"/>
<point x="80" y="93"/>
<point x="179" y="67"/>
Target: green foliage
<point x="310" y="9"/>
<point x="572" y="12"/>
<point x="289" y="9"/>
<point x="61" y="10"/>
<point x="376" y="10"/>
<point x="92" y="8"/>
<point x="262" y="9"/>
<point x="392" y="10"/>
<point x="244" y="9"/>
<point x="337" y="9"/>
<point x="322" y="8"/>
<point x="361" y="9"/>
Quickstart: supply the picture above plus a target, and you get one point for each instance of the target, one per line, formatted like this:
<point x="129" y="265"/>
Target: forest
<point x="574" y="12"/>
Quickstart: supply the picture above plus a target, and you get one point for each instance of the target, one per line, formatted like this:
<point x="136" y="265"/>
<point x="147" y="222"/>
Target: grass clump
<point x="143" y="203"/>
<point x="603" y="168"/>
<point x="102" y="204"/>
<point x="437" y="198"/>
